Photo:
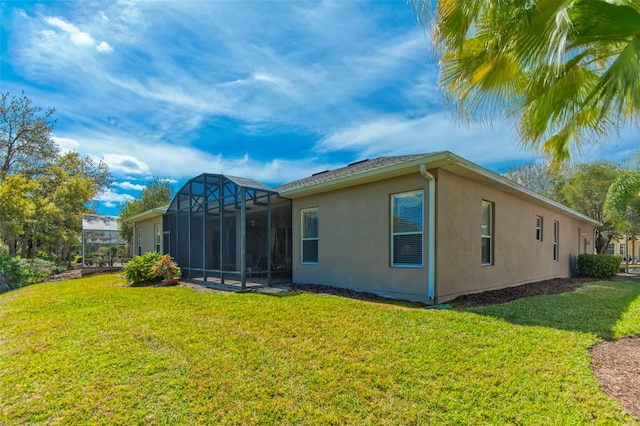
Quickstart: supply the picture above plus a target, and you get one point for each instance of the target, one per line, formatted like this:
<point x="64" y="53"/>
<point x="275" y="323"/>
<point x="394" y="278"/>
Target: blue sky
<point x="269" y="90"/>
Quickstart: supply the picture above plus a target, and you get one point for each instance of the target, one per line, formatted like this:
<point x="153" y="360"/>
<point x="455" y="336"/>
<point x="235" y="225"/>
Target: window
<point x="139" y="241"/>
<point x="486" y="232"/>
<point x="610" y="249"/>
<point x="158" y="232"/>
<point x="407" y="217"/>
<point x="309" y="221"/>
<point x="556" y="237"/>
<point x="538" y="228"/>
<point x="622" y="247"/>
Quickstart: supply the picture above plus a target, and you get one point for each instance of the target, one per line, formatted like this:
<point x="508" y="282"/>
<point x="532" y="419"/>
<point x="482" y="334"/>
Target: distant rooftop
<point x="96" y="222"/>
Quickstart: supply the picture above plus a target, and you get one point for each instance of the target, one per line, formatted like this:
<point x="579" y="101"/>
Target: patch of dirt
<point x="199" y="287"/>
<point x="617" y="367"/>
<point x="65" y="275"/>
<point x="334" y="291"/>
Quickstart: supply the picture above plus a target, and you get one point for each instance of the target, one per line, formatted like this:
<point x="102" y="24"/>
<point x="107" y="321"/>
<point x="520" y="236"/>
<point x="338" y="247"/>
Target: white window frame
<point x="556" y="238"/>
<point x="490" y="235"/>
<point x="158" y="231"/>
<point x="303" y="238"/>
<point x="421" y="232"/>
<point x="139" y="240"/>
<point x="539" y="224"/>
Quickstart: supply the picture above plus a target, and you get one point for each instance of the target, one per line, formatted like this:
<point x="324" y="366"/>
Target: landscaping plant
<point x="598" y="265"/>
<point x="166" y="268"/>
<point x="141" y="268"/>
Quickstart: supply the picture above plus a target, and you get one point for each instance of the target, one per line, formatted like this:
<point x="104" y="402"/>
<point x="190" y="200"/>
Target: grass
<point x="91" y="351"/>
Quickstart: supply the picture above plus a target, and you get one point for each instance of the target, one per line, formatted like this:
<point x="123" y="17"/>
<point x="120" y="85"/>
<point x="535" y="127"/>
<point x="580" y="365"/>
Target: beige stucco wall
<point x="354" y="240"/>
<point x="147" y="232"/>
<point x="518" y="257"/>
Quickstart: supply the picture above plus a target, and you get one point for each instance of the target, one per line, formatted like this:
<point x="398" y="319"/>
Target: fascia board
<point x="158" y="211"/>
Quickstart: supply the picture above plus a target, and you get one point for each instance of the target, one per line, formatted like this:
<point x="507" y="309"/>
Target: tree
<point x="66" y="189"/>
<point x="157" y="193"/>
<point x="17" y="208"/>
<point x="538" y="177"/>
<point x="25" y="135"/>
<point x="623" y="203"/>
<point x="567" y="71"/>
<point x="586" y="191"/>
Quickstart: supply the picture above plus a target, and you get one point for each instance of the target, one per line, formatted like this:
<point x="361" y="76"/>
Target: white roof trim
<point x="157" y="211"/>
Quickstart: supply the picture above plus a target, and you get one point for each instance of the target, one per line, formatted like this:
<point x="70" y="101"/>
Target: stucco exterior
<point x="146" y="226"/>
<point x="355" y="237"/>
<point x="354" y="240"/>
<point x="518" y="256"/>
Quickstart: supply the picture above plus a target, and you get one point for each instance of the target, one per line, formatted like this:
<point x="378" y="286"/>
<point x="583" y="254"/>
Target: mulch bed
<point x="617" y="367"/>
<point x="504" y="295"/>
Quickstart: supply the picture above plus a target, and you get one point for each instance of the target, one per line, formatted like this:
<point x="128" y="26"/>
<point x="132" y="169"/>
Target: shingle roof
<point x="350" y="170"/>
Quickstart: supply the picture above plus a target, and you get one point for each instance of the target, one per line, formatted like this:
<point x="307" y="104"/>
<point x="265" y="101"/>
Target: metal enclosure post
<point x="269" y="239"/>
<point x="243" y="236"/>
<point x="221" y="233"/>
<point x="204" y="235"/>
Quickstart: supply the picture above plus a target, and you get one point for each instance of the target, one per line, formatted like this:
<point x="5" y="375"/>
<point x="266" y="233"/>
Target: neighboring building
<point x="624" y="247"/>
<point x="101" y="241"/>
<point x="425" y="227"/>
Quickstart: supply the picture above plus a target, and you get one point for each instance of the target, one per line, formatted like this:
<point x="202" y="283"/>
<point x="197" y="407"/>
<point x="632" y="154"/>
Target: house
<point x="424" y="227"/>
<point x="147" y="230"/>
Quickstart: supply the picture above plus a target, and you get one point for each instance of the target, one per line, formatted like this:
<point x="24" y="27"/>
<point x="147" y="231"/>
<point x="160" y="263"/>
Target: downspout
<point x="431" y="229"/>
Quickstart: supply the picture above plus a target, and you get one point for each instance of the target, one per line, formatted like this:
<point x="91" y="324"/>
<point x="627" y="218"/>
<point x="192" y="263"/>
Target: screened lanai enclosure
<point x="229" y="230"/>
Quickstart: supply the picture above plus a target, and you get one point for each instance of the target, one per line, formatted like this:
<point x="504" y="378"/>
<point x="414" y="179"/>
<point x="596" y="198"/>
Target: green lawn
<point x="94" y="351"/>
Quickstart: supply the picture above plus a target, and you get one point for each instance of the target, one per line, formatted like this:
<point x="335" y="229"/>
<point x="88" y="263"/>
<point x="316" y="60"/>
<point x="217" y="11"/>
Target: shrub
<point x="12" y="271"/>
<point x="41" y="254"/>
<point x="37" y="270"/>
<point x="140" y="268"/>
<point x="598" y="265"/>
<point x="166" y="268"/>
<point x="21" y="272"/>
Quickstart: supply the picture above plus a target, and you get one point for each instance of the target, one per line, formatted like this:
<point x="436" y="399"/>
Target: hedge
<point x="598" y="265"/>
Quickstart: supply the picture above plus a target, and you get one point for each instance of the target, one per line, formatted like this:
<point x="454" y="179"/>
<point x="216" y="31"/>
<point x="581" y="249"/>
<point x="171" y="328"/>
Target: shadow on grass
<point x="594" y="308"/>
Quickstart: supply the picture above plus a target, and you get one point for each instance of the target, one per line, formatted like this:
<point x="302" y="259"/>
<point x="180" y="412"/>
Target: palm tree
<point x="622" y="205"/>
<point x="567" y="71"/>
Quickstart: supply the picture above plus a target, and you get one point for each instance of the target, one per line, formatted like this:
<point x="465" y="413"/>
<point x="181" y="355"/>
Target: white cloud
<point x="66" y="144"/>
<point x="125" y="164"/>
<point x="394" y="135"/>
<point x="77" y="37"/>
<point x="104" y="47"/>
<point x="110" y="196"/>
<point x="130" y="186"/>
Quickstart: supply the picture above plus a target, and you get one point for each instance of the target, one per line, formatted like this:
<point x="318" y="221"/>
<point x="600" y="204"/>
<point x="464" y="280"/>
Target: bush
<point x="12" y="271"/>
<point x="21" y="272"/>
<point x="598" y="265"/>
<point x="166" y="268"/>
<point x="37" y="270"/>
<point x="140" y="268"/>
